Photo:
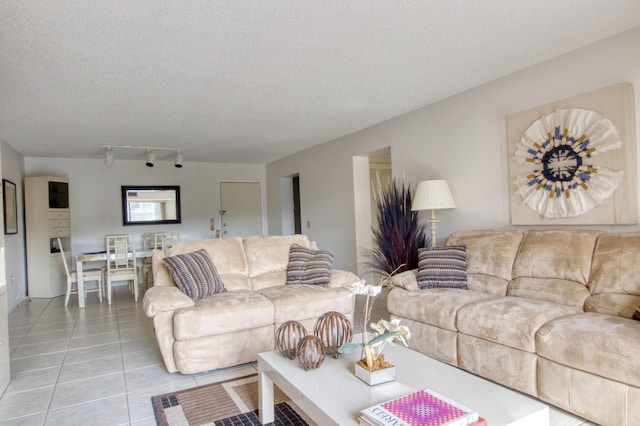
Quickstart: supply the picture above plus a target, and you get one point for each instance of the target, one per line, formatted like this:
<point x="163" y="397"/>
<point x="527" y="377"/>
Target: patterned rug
<point x="232" y="402"/>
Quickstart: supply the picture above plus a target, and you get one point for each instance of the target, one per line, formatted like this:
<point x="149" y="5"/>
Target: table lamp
<point x="433" y="195"/>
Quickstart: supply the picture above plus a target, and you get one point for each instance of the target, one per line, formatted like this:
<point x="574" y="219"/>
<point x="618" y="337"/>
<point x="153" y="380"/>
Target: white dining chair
<point x="87" y="275"/>
<point x="121" y="262"/>
<point x="164" y="240"/>
<point x="161" y="241"/>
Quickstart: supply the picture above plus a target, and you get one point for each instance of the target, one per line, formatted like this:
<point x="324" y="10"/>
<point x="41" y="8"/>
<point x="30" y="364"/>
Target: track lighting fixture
<point x="151" y="157"/>
<point x="151" y="154"/>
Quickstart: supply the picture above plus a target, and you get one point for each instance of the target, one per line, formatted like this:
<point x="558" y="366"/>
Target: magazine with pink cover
<point x="422" y="408"/>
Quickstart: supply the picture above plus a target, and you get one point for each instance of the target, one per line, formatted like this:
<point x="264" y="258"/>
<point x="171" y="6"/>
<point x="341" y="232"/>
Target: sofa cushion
<point x="601" y="344"/>
<point x="615" y="282"/>
<point x="442" y="267"/>
<point x="511" y="321"/>
<point x="270" y="253"/>
<point x="307" y="266"/>
<point x="223" y="313"/>
<point x="227" y="254"/>
<point x="195" y="274"/>
<point x="553" y="265"/>
<point x="299" y="302"/>
<point x="437" y="306"/>
<point x="490" y="256"/>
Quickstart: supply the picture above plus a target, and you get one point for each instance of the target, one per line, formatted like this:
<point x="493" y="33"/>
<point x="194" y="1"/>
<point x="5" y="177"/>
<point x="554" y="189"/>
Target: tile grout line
<point x="55" y="385"/>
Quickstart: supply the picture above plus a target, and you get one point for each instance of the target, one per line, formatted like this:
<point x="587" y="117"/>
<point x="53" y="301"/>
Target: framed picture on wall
<point x="10" y="207"/>
<point x="573" y="161"/>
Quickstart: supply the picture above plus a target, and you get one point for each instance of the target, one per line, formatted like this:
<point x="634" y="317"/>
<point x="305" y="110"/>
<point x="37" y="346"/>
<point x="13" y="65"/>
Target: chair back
<point x="164" y="240"/>
<point x="148" y="239"/>
<point x="121" y="252"/>
<point x="64" y="259"/>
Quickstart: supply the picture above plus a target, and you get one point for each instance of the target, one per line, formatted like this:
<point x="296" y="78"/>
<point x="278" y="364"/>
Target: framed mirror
<point x="150" y="205"/>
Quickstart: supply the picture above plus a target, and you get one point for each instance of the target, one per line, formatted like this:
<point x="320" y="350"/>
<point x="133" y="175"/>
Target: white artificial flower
<point x="379" y="326"/>
<point x="373" y="290"/>
<point x="359" y="287"/>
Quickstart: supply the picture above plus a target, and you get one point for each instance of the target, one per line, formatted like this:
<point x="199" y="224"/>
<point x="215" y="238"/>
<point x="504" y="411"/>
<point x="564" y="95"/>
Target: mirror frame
<point x="126" y="188"/>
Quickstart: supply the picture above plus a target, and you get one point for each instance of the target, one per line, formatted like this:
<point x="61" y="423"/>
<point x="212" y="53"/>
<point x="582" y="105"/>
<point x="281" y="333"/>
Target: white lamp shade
<point x="433" y="195"/>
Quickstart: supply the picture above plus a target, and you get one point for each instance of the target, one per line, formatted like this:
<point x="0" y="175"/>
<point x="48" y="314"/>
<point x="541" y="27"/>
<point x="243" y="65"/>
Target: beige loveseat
<point x="548" y="312"/>
<point x="231" y="328"/>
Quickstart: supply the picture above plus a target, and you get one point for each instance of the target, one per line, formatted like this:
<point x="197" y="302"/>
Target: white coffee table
<point x="333" y="395"/>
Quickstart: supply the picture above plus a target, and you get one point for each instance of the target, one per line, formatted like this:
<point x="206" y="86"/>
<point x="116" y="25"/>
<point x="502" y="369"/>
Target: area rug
<point x="232" y="402"/>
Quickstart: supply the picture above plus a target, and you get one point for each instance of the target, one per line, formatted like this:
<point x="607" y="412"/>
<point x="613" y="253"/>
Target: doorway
<point x="297" y="221"/>
<point x="371" y="172"/>
<point x="240" y="209"/>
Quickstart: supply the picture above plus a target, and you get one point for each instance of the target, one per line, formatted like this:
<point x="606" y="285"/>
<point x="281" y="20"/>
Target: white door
<point x="241" y="208"/>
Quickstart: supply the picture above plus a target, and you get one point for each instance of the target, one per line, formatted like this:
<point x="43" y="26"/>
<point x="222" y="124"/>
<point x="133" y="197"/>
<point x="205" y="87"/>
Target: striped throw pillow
<point x="307" y="266"/>
<point x="442" y="267"/>
<point x="195" y="274"/>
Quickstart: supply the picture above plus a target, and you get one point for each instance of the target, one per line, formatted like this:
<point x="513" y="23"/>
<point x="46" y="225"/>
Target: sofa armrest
<point x="165" y="299"/>
<point x="340" y="278"/>
<point x="407" y="280"/>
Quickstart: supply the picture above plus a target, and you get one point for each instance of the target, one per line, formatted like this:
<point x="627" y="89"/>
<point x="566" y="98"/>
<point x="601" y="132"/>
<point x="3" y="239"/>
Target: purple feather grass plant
<point x="397" y="233"/>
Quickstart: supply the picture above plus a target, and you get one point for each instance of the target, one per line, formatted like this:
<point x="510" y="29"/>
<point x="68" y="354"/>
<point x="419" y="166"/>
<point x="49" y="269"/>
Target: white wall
<point x="461" y="139"/>
<point x="95" y="194"/>
<point x="15" y="266"/>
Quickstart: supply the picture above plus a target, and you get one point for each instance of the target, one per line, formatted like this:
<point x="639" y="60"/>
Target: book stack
<point x="421" y="408"/>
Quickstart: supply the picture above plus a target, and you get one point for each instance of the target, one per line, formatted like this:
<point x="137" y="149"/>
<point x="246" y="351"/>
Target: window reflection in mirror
<point x="143" y="205"/>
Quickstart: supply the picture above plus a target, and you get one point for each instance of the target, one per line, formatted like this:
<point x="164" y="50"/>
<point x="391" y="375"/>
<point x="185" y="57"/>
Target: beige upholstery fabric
<point x="407" y="280"/>
<point x="506" y="365"/>
<point x="599" y="399"/>
<point x="291" y="302"/>
<point x="270" y="253"/>
<point x="569" y="341"/>
<point x="222" y="350"/>
<point x="166" y="299"/>
<point x="489" y="253"/>
<point x="434" y="342"/>
<point x="550" y="290"/>
<point x="222" y="313"/>
<point x="231" y="328"/>
<point x="615" y="281"/>
<point x="531" y="332"/>
<point x="486" y="319"/>
<point x="227" y="255"/>
<point x="435" y="306"/>
<point x="563" y="255"/>
<point x="163" y="327"/>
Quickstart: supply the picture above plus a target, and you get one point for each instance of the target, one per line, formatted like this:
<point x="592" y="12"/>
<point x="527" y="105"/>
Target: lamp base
<point x="433" y="226"/>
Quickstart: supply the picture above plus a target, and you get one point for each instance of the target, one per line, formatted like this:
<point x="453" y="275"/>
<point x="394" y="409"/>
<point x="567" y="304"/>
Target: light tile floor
<point x="100" y="365"/>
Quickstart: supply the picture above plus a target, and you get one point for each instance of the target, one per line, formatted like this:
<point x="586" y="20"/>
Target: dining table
<point x="98" y="256"/>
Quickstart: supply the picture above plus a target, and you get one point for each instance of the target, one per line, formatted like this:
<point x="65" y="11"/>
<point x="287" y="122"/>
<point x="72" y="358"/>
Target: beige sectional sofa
<point x="232" y="327"/>
<point x="548" y="312"/>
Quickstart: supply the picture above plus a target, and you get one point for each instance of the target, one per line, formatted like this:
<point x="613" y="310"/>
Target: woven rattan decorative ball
<point x="333" y="329"/>
<point x="288" y="336"/>
<point x="310" y="352"/>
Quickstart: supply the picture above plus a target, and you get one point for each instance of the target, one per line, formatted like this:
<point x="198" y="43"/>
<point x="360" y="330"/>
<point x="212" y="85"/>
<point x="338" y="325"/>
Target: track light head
<point x="108" y="160"/>
<point x="151" y="158"/>
<point x="178" y="163"/>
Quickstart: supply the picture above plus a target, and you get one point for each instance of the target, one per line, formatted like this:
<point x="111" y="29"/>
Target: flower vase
<point x="375" y="377"/>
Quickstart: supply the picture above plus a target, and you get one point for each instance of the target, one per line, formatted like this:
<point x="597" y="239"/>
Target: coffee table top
<point x="332" y="394"/>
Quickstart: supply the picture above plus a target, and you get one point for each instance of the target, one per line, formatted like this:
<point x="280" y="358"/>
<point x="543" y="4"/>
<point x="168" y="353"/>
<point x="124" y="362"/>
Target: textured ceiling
<point x="254" y="81"/>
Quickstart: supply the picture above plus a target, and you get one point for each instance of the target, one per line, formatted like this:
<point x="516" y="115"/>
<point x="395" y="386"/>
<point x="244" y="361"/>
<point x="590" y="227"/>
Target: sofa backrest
<point x="227" y="254"/>
<point x="554" y="265"/>
<point x="490" y="256"/>
<point x="615" y="275"/>
<point x="268" y="258"/>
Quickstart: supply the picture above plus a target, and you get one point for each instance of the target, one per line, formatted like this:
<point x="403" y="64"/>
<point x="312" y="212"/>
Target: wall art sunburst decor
<point x="573" y="161"/>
